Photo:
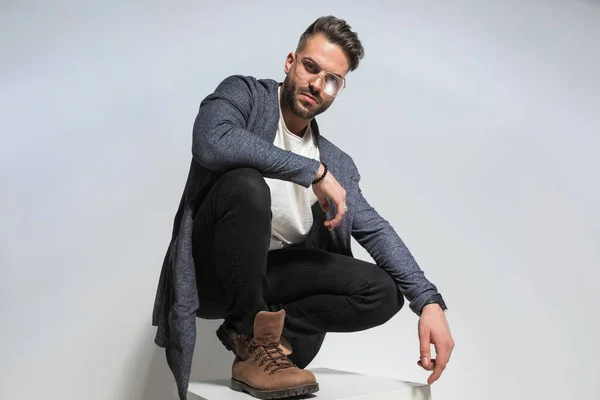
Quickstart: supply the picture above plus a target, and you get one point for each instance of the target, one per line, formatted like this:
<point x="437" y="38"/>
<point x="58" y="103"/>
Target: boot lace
<point x="271" y="356"/>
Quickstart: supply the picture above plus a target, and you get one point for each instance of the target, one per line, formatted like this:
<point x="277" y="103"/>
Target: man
<point x="262" y="235"/>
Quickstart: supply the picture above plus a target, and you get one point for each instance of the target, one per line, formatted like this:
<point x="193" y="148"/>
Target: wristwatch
<point x="435" y="299"/>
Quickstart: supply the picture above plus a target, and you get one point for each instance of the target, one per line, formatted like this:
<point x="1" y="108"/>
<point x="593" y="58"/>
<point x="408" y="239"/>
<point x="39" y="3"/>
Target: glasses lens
<point x="332" y="84"/>
<point x="309" y="72"/>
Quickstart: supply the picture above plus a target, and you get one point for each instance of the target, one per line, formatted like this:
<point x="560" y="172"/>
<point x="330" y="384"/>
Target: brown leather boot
<point x="267" y="373"/>
<point x="237" y="343"/>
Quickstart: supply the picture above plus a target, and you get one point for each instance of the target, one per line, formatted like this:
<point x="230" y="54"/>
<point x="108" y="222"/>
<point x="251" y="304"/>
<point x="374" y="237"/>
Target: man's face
<point x="308" y="100"/>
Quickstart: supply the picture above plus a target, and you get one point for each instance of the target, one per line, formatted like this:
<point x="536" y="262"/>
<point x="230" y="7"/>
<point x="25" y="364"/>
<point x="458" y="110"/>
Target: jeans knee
<point x="248" y="188"/>
<point x="393" y="298"/>
<point x="387" y="299"/>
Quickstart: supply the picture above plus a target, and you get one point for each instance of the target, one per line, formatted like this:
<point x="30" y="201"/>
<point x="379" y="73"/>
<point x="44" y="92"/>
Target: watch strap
<point x="435" y="299"/>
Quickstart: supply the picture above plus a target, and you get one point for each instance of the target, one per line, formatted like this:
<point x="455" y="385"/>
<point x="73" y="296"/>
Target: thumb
<point x="324" y="203"/>
<point x="425" y="348"/>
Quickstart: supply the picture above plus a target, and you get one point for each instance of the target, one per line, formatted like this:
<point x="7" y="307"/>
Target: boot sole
<point x="274" y="394"/>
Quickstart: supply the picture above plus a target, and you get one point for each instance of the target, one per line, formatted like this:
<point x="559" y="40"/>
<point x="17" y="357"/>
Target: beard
<point x="289" y="94"/>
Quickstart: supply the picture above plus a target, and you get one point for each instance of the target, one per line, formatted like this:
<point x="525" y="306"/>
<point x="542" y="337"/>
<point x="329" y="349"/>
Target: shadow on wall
<point x="211" y="361"/>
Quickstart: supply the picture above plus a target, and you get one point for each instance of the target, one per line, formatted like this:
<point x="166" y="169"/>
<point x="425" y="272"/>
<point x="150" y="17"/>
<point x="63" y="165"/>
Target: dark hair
<point x="337" y="31"/>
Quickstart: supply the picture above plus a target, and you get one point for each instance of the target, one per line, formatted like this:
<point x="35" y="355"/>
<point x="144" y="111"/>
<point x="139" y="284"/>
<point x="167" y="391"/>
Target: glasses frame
<point x="322" y="73"/>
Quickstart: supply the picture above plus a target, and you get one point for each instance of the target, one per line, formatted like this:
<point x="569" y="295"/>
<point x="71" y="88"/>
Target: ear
<point x="289" y="60"/>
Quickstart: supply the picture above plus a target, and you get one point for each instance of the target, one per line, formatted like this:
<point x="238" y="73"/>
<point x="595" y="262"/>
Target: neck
<point x="295" y="124"/>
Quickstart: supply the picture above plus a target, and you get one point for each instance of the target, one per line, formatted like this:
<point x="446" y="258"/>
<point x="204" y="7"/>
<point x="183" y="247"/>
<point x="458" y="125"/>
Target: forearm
<point x="390" y="253"/>
<point x="221" y="141"/>
<point x="221" y="149"/>
<point x="380" y="240"/>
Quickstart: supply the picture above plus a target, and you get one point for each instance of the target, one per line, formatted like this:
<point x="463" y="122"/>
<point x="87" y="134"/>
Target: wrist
<point x="431" y="307"/>
<point x="321" y="173"/>
<point x="433" y="301"/>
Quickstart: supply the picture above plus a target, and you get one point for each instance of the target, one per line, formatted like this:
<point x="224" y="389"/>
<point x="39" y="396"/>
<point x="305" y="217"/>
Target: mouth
<point x="311" y="99"/>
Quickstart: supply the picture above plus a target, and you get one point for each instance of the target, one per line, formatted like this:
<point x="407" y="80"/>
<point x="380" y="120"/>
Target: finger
<point x="443" y="355"/>
<point x="425" y="348"/>
<point x="341" y="207"/>
<point x="430" y="367"/>
<point x="337" y="220"/>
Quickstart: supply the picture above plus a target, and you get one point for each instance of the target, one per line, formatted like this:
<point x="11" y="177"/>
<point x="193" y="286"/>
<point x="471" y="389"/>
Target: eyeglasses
<point x="308" y="71"/>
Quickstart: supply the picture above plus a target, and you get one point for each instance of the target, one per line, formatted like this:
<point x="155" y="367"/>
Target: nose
<point x="316" y="85"/>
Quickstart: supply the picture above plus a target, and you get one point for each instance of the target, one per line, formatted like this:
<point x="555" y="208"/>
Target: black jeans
<point x="237" y="275"/>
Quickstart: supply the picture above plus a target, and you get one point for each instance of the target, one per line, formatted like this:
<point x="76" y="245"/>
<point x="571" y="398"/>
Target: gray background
<point x="474" y="124"/>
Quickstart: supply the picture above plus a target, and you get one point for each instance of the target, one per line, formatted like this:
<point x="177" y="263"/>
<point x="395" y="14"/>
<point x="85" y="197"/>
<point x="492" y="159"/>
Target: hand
<point x="329" y="187"/>
<point x="433" y="329"/>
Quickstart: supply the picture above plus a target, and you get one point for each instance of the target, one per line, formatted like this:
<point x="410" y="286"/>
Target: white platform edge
<point x="411" y="391"/>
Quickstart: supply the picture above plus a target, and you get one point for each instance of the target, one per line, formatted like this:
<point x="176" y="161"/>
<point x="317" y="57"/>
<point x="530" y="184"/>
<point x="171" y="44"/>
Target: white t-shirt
<point x="291" y="203"/>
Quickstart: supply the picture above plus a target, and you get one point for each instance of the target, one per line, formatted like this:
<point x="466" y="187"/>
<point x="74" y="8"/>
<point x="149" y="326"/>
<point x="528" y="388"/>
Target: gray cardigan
<point x="235" y="127"/>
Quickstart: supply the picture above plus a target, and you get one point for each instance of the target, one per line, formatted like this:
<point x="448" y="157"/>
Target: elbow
<point x="205" y="153"/>
<point x="204" y="149"/>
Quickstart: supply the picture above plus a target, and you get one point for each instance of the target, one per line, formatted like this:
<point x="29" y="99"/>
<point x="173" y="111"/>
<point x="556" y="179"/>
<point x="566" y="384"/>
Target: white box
<point x="333" y="385"/>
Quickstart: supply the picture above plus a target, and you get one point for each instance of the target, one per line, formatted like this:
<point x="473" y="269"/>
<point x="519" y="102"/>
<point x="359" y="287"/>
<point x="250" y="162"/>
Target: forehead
<point x="328" y="55"/>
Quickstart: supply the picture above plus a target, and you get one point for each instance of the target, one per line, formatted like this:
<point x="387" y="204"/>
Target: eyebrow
<point x="313" y="61"/>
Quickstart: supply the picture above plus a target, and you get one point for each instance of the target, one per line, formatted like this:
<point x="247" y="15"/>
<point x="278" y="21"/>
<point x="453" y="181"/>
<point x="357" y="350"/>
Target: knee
<point x="386" y="299"/>
<point x="248" y="188"/>
<point x="393" y="300"/>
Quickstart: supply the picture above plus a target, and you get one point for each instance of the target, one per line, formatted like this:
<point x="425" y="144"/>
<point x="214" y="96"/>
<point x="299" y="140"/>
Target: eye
<point x="331" y="82"/>
<point x="310" y="67"/>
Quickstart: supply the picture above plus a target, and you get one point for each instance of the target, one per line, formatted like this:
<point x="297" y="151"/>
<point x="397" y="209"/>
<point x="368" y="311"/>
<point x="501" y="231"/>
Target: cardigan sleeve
<point x="221" y="141"/>
<point x="380" y="240"/>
